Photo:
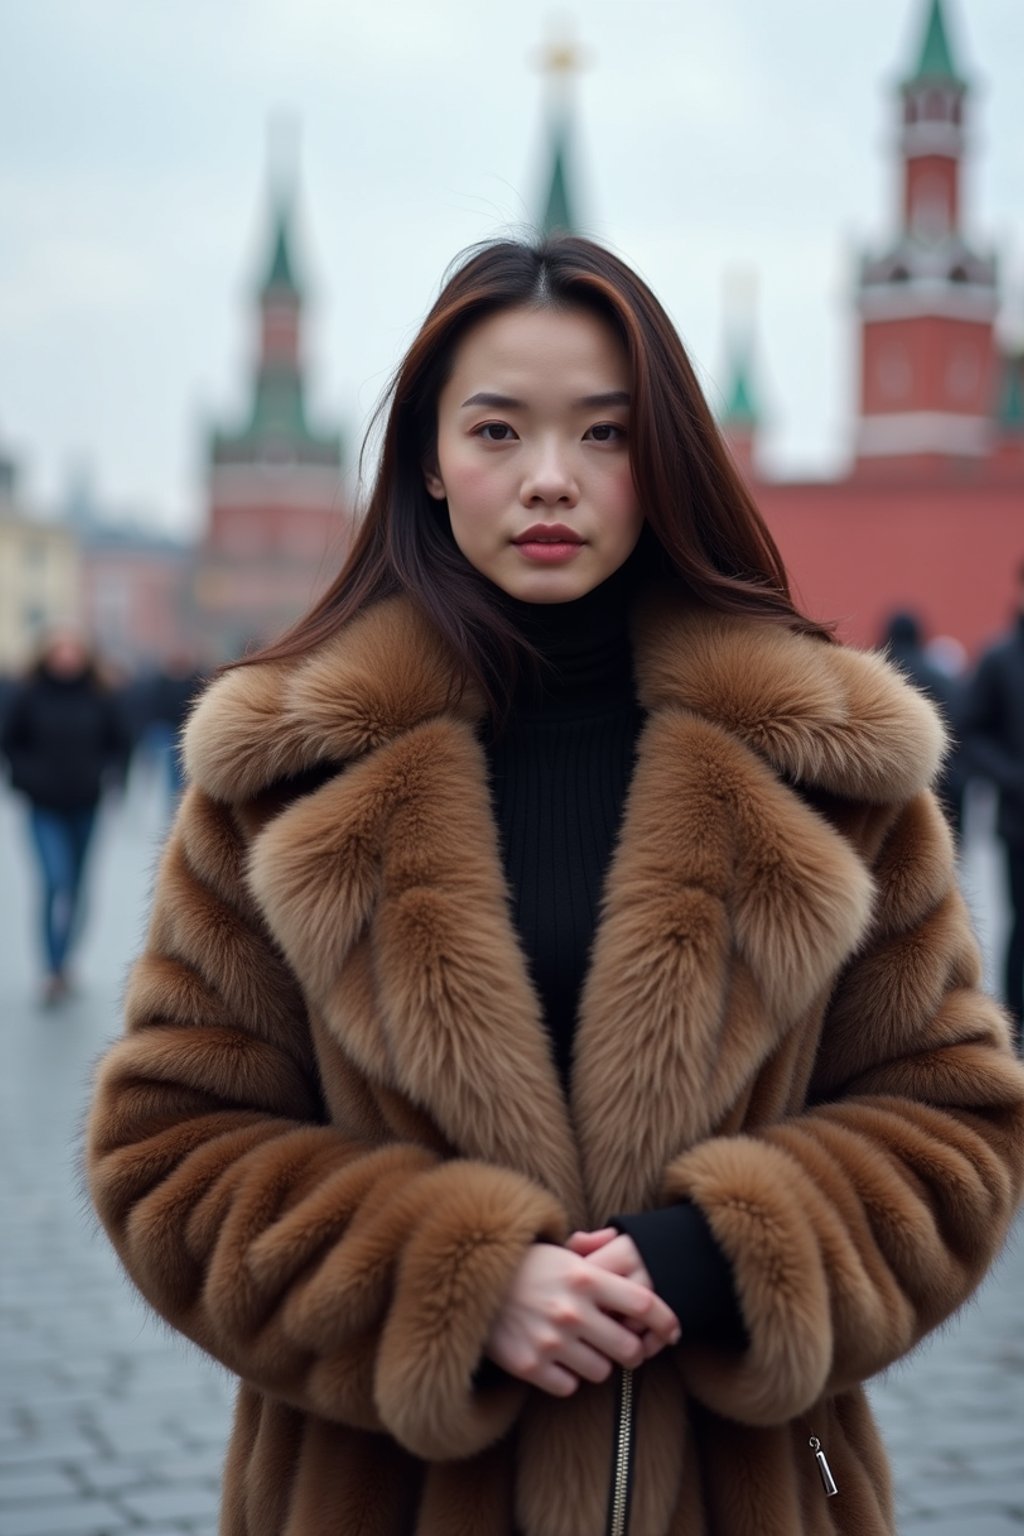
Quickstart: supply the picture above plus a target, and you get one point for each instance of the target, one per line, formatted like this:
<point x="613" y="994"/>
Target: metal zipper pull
<point x="828" y="1482"/>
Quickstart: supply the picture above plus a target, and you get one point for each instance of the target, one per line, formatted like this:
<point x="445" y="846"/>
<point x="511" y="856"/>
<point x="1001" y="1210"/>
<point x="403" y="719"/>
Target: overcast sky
<point x="708" y="138"/>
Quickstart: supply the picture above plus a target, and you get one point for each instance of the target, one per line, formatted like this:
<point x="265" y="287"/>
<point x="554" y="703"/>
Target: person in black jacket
<point x="994" y="734"/>
<point x="64" y="740"/>
<point x="904" y="641"/>
<point x="169" y="697"/>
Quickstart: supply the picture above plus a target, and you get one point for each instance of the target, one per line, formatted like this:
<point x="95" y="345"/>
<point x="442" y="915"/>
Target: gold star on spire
<point x="560" y="57"/>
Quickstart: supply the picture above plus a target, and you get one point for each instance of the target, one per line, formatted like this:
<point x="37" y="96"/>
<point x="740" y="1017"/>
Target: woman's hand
<point x="617" y="1253"/>
<point x="612" y="1250"/>
<point x="566" y="1318"/>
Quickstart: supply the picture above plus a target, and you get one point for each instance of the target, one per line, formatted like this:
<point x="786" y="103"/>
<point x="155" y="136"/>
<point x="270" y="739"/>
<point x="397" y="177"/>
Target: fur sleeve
<point x="355" y="1281"/>
<point x="859" y="1225"/>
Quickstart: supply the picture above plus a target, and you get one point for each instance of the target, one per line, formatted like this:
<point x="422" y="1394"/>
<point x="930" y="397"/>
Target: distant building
<point x="135" y="585"/>
<point x="39" y="574"/>
<point x="135" y="598"/>
<point x="277" y="524"/>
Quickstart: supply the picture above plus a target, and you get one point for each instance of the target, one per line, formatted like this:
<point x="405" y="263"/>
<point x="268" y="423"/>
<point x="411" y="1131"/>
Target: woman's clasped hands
<point x="572" y="1314"/>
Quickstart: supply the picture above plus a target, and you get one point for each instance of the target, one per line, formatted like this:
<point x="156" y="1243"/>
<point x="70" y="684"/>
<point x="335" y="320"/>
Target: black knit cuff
<point x="689" y="1272"/>
<point x="490" y="1374"/>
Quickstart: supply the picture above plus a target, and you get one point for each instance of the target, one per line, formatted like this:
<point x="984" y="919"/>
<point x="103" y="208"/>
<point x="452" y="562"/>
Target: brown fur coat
<point x="333" y="1124"/>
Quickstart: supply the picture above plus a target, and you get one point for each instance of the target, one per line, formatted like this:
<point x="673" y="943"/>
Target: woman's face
<point x="532" y="429"/>
<point x="66" y="655"/>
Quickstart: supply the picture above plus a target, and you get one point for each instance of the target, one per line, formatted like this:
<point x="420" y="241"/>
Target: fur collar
<point x="841" y="720"/>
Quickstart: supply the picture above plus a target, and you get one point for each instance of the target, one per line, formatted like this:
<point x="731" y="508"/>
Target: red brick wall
<point x="856" y="553"/>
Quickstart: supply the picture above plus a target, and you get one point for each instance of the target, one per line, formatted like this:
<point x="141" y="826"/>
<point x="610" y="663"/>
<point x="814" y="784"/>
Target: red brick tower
<point x="927" y="304"/>
<point x="277" y="524"/>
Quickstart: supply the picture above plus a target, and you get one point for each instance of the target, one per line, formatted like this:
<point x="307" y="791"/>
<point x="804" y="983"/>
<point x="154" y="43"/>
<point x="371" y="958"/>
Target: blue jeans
<point x="61" y="842"/>
<point x="164" y="740"/>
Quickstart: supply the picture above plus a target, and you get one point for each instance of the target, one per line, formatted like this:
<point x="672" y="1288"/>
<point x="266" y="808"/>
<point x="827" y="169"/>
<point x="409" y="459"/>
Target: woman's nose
<point x="549" y="479"/>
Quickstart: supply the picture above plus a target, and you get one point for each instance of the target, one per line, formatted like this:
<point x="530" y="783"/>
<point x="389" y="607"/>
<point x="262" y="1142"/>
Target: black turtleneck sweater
<point x="559" y="775"/>
<point x="559" y="778"/>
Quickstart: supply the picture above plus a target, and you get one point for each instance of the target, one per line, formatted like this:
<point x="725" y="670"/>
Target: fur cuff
<point x="750" y="1194"/>
<point x="478" y="1222"/>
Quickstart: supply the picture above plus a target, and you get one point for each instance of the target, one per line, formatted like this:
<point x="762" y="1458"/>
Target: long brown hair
<point x="702" y="527"/>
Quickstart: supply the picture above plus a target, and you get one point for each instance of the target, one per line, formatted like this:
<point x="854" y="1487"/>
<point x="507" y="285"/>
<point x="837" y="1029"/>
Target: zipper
<point x="828" y="1482"/>
<point x="622" y="1456"/>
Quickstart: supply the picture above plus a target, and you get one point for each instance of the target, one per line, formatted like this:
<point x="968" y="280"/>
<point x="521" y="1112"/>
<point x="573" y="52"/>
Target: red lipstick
<point x="549" y="543"/>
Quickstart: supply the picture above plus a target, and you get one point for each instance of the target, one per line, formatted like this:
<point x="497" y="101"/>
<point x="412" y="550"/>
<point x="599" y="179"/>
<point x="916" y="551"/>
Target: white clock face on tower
<point x="894" y="373"/>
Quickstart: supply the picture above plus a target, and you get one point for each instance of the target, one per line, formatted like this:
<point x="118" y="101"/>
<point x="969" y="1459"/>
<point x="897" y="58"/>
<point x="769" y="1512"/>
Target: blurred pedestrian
<point x="994" y="733"/>
<point x="905" y="643"/>
<point x="949" y="656"/>
<point x="8" y="687"/>
<point x="170" y="695"/>
<point x="547" y="1083"/>
<point x="64" y="741"/>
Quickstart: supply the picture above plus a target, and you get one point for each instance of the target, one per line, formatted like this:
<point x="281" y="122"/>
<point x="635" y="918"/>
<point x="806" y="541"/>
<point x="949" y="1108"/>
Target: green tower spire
<point x="277" y="427"/>
<point x="559" y="60"/>
<point x="741" y="410"/>
<point x="557" y="216"/>
<point x="280" y="274"/>
<point x="279" y="278"/>
<point x="936" y="57"/>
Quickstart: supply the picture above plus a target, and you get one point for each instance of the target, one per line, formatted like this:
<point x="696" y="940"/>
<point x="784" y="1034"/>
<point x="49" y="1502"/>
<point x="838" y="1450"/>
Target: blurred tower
<point x="928" y="303"/>
<point x="559" y="61"/>
<point x="277" y="528"/>
<point x="741" y="416"/>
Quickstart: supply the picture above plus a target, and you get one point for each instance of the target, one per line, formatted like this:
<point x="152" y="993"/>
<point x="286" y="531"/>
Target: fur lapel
<point x="730" y="904"/>
<point x="400" y="856"/>
<point x="729" y="908"/>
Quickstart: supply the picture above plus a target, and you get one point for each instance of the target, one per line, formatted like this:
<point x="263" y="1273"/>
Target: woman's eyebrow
<point x="587" y="402"/>
<point x="501" y="402"/>
<point x="609" y="397"/>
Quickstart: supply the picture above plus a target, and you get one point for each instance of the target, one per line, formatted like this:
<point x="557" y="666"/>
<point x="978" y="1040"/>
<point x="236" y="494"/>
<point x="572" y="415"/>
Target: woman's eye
<point x="501" y="428"/>
<point x="607" y="432"/>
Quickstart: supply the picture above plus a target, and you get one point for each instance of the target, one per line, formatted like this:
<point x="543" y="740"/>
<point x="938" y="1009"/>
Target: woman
<point x="63" y="740"/>
<point x="540" y="1174"/>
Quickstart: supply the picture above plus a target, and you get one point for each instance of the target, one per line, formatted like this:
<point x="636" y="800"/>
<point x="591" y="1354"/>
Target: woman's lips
<point x="549" y="552"/>
<point x="549" y="543"/>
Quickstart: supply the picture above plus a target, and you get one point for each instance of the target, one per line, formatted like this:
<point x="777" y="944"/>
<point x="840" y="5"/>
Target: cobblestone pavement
<point x="109" y="1423"/>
